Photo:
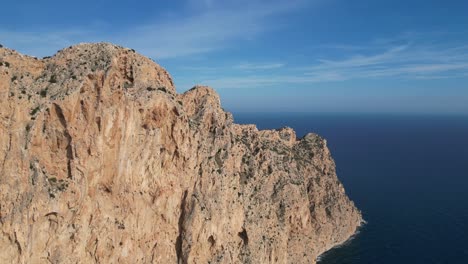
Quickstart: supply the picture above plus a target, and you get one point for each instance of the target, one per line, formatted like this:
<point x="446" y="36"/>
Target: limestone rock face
<point x="101" y="161"/>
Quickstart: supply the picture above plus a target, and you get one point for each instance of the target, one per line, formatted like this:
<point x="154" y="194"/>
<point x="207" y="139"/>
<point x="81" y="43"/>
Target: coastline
<point x="343" y="243"/>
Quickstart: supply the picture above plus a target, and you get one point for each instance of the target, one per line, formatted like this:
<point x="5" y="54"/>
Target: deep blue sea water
<point x="407" y="174"/>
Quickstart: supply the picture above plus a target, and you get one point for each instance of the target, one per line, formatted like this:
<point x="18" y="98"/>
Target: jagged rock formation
<point x="102" y="161"/>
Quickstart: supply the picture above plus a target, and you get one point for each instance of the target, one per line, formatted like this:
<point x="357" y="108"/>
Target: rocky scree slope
<point x="101" y="161"/>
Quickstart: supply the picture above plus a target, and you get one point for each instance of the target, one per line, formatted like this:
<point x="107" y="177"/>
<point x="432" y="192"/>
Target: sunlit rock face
<point x="102" y="161"/>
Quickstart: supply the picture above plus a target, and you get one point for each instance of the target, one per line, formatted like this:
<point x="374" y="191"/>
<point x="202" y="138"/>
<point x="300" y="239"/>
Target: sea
<point x="407" y="173"/>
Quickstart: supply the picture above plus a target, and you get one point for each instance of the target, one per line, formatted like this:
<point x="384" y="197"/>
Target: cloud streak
<point x="412" y="60"/>
<point x="408" y="61"/>
<point x="266" y="66"/>
<point x="215" y="26"/>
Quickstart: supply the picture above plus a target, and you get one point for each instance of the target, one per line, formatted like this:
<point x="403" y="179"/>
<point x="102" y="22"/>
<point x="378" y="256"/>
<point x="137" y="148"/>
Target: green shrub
<point x="43" y="93"/>
<point x="34" y="111"/>
<point x="162" y="89"/>
<point x="53" y="79"/>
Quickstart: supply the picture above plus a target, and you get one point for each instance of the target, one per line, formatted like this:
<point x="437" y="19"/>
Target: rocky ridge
<point x="102" y="161"/>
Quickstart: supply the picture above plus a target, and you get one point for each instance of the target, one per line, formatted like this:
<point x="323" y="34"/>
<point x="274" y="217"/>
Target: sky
<point x="360" y="56"/>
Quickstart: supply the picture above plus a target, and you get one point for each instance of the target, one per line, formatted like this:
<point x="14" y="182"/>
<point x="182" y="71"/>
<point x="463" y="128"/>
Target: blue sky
<point x="274" y="56"/>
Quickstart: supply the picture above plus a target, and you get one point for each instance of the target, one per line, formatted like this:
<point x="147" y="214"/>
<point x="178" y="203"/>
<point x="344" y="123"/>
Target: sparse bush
<point x="162" y="89"/>
<point x="53" y="79"/>
<point x="56" y="186"/>
<point x="43" y="93"/>
<point x="127" y="85"/>
<point x="34" y="111"/>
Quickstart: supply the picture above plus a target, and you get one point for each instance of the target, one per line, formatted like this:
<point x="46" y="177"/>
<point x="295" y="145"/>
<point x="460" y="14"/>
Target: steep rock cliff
<point x="101" y="160"/>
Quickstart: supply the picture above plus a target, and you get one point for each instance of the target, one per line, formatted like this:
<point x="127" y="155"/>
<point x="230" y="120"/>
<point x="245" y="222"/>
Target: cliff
<point x="102" y="161"/>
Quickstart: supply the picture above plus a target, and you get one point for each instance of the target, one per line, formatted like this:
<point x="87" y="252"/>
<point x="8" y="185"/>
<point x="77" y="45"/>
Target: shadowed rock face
<point x="102" y="161"/>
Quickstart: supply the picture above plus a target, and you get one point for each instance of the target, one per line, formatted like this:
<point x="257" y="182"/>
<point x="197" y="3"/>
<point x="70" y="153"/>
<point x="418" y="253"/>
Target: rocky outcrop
<point x="101" y="161"/>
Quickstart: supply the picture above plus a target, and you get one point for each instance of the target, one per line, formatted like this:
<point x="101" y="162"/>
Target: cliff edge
<point x="102" y="161"/>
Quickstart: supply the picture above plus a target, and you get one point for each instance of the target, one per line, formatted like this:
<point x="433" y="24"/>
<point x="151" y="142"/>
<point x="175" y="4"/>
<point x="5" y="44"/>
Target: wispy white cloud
<point x="240" y="67"/>
<point x="261" y="81"/>
<point x="361" y="60"/>
<point x="215" y="26"/>
<point x="258" y="66"/>
<point x="412" y="60"/>
<point x="210" y="29"/>
<point x="409" y="60"/>
<point x="42" y="43"/>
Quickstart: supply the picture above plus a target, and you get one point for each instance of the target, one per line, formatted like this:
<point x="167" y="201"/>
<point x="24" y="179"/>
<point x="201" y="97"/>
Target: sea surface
<point x="408" y="175"/>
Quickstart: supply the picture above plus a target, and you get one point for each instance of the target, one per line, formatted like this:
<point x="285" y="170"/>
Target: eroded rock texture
<point x="101" y="161"/>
